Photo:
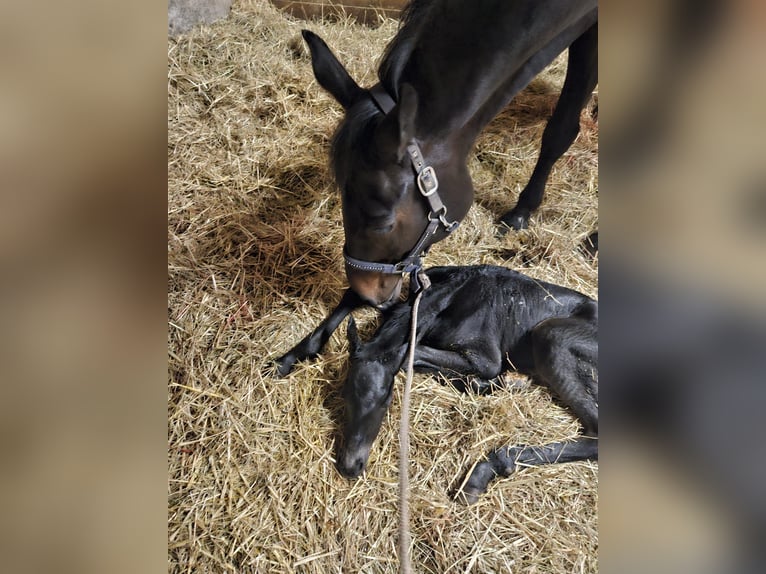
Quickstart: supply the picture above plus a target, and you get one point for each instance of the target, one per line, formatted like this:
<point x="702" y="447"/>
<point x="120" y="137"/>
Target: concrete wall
<point x="185" y="14"/>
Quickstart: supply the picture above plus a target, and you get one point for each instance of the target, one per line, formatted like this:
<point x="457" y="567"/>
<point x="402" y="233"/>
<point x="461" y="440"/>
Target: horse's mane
<point x="399" y="50"/>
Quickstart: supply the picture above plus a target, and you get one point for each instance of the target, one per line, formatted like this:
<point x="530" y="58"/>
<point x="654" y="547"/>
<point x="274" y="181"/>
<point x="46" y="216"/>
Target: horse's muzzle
<point x="377" y="289"/>
<point x="352" y="459"/>
<point x="393" y="299"/>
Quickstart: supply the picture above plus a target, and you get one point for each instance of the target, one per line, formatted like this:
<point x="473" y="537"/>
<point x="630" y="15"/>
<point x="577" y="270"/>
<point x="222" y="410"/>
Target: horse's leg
<point x="485" y="363"/>
<point x="504" y="461"/>
<point x="589" y="245"/>
<point x="310" y="346"/>
<point x="563" y="126"/>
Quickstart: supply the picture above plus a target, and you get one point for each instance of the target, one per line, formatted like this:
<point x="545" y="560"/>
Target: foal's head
<point x="367" y="394"/>
<point x="383" y="213"/>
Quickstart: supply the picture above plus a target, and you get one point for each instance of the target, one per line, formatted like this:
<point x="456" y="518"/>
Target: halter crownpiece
<point x="381" y="98"/>
<point x="428" y="185"/>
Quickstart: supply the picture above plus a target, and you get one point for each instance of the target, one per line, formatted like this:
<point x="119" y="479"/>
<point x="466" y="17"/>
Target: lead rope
<point x="405" y="565"/>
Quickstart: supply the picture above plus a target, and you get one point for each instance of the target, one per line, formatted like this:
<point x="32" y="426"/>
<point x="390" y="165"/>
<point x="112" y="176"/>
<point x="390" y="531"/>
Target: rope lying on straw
<point x="405" y="565"/>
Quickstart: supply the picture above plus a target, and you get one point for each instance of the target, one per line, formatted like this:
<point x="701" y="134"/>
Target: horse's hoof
<point x="516" y="219"/>
<point x="467" y="496"/>
<point x="475" y="385"/>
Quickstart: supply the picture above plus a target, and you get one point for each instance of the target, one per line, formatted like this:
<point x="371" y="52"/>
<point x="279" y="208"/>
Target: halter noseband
<point x="428" y="185"/>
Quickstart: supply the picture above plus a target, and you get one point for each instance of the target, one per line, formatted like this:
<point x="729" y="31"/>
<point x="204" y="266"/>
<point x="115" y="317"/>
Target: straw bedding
<point x="254" y="258"/>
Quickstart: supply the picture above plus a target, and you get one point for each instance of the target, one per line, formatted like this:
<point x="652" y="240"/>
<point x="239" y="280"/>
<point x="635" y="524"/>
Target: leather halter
<point x="428" y="185"/>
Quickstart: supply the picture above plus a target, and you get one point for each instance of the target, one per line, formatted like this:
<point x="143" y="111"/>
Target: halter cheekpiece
<point x="428" y="185"/>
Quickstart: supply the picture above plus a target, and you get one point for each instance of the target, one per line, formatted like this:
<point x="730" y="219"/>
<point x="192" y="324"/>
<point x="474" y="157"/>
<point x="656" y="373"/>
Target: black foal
<point x="479" y="321"/>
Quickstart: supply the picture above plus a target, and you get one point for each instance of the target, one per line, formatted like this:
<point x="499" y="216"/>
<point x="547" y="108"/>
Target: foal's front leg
<point x="465" y="369"/>
<point x="310" y="346"/>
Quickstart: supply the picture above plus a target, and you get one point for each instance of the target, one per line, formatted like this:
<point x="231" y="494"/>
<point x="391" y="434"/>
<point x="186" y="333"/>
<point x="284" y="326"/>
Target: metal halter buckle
<point x="427" y="182"/>
<point x="438" y="215"/>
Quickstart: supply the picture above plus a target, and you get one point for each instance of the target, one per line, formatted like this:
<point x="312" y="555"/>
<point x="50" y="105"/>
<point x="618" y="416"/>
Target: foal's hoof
<point x="284" y="365"/>
<point x="476" y="485"/>
<point x="516" y="219"/>
<point x="475" y="385"/>
<point x="468" y="496"/>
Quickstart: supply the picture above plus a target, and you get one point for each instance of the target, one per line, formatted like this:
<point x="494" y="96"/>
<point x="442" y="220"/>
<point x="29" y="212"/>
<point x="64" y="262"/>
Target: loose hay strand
<point x="252" y="485"/>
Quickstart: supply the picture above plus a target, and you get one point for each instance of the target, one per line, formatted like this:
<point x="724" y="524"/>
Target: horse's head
<point x="384" y="215"/>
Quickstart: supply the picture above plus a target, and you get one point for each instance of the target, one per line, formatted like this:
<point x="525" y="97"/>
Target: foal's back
<point x="494" y="294"/>
<point x="495" y="306"/>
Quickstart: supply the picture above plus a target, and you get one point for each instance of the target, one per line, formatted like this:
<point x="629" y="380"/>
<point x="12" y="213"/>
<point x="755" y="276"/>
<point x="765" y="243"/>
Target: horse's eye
<point x="384" y="228"/>
<point x="381" y="221"/>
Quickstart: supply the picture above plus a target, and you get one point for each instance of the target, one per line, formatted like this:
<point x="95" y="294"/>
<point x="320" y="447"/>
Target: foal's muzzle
<point x="351" y="466"/>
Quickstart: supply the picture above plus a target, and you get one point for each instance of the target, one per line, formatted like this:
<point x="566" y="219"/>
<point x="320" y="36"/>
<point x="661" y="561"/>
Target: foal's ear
<point x="330" y="73"/>
<point x="398" y="127"/>
<point x="353" y="336"/>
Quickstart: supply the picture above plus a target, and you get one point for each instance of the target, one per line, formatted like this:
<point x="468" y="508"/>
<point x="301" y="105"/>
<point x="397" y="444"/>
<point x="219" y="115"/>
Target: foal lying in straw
<point x="474" y="323"/>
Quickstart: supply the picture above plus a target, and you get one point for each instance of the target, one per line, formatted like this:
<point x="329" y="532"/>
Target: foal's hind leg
<point x="564" y="125"/>
<point x="505" y="460"/>
<point x="565" y="355"/>
<point x="565" y="352"/>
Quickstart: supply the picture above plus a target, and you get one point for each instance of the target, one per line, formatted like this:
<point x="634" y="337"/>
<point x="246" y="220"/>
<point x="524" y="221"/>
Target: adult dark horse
<point x="400" y="154"/>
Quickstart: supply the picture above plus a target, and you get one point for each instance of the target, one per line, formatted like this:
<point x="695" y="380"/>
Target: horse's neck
<point x="469" y="66"/>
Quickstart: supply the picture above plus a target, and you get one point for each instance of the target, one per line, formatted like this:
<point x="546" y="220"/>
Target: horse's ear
<point x="330" y="73"/>
<point x="398" y="128"/>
